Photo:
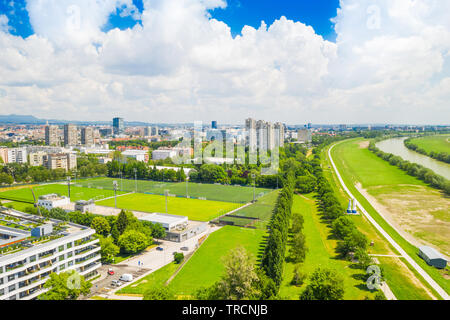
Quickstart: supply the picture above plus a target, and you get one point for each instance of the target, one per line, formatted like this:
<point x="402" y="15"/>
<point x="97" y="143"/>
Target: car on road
<point x="126" y="277"/>
<point x="159" y="248"/>
<point x="111" y="271"/>
<point x="184" y="248"/>
<point x="116" y="283"/>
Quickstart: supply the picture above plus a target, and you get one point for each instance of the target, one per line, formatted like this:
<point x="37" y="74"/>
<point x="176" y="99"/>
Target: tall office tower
<point x="154" y="131"/>
<point x="87" y="136"/>
<point x="251" y="137"/>
<point x="118" y="126"/>
<point x="70" y="135"/>
<point x="304" y="135"/>
<point x="309" y="125"/>
<point x="148" y="131"/>
<point x="213" y="124"/>
<point x="279" y="134"/>
<point x="270" y="136"/>
<point x="51" y="136"/>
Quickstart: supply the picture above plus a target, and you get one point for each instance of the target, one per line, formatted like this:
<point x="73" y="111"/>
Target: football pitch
<point x="76" y="193"/>
<point x="193" y="190"/>
<point x="194" y="209"/>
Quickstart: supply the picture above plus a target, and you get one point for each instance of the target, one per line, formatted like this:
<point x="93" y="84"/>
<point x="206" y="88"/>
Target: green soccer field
<point x="195" y="190"/>
<point x="76" y="193"/>
<point x="198" y="210"/>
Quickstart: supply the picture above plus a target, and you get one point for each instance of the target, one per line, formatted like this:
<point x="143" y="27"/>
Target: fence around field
<point x="152" y="187"/>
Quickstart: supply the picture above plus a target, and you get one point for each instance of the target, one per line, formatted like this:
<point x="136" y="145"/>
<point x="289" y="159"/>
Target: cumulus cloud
<point x="391" y="62"/>
<point x="4" y="23"/>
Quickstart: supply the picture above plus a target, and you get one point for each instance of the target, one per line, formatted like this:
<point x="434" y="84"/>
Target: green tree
<point x="342" y="226"/>
<point x="122" y="221"/>
<point x="297" y="223"/>
<point x="159" y="293"/>
<point x="101" y="226"/>
<point x="115" y="234"/>
<point x="299" y="277"/>
<point x="133" y="241"/>
<point x="178" y="257"/>
<point x="65" y="286"/>
<point x="298" y="248"/>
<point x="325" y="284"/>
<point x="353" y="241"/>
<point x="240" y="279"/>
<point x="108" y="249"/>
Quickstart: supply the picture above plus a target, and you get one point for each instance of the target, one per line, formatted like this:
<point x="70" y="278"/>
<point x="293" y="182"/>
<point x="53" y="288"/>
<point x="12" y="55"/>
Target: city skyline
<point x="389" y="62"/>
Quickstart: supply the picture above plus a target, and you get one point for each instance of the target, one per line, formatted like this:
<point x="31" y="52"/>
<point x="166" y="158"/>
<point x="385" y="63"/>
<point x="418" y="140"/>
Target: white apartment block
<point x="14" y="155"/>
<point x="24" y="271"/>
<point x="162" y="154"/>
<point x="263" y="135"/>
<point x="66" y="161"/>
<point x="37" y="158"/>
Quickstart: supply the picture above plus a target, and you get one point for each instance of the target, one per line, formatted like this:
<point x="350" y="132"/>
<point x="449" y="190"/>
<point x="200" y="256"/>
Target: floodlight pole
<point x="254" y="183"/>
<point x="115" y="193"/>
<point x="135" y="180"/>
<point x="187" y="191"/>
<point x="68" y="186"/>
<point x="166" y="193"/>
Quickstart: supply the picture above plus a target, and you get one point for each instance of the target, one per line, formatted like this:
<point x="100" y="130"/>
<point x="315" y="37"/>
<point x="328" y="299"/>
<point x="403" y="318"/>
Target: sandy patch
<point x="411" y="215"/>
<point x="364" y="144"/>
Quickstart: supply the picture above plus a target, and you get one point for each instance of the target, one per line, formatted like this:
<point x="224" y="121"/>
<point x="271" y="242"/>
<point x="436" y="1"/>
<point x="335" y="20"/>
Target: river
<point x="396" y="147"/>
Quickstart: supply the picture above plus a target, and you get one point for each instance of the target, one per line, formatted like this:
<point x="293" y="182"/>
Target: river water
<point x="396" y="146"/>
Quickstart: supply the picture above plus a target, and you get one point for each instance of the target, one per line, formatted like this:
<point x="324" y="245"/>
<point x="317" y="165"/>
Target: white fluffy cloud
<point x="391" y="63"/>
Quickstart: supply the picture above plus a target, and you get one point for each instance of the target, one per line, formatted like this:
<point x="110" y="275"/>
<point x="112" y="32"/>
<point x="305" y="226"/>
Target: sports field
<point x="262" y="210"/>
<point x="194" y="190"/>
<point x="194" y="209"/>
<point x="438" y="144"/>
<point x="76" y="193"/>
<point x="420" y="211"/>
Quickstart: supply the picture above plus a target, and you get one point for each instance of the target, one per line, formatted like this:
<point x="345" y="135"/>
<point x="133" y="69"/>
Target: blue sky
<point x="238" y="13"/>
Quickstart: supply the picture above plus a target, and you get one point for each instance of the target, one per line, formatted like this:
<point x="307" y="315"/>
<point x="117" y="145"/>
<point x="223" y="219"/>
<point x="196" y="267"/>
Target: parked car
<point x="126" y="277"/>
<point x="159" y="248"/>
<point x="111" y="271"/>
<point x="116" y="283"/>
<point x="184" y="248"/>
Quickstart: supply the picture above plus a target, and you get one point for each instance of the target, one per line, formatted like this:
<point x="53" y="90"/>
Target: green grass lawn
<point x="195" y="190"/>
<point x="206" y="265"/>
<point x="357" y="164"/>
<point x="321" y="253"/>
<point x="199" y="210"/>
<point x="439" y="143"/>
<point x="76" y="193"/>
<point x="262" y="210"/>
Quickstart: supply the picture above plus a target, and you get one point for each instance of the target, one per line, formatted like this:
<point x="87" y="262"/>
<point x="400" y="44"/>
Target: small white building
<point x="53" y="200"/>
<point x="162" y="154"/>
<point x="138" y="155"/>
<point x="168" y="221"/>
<point x="85" y="206"/>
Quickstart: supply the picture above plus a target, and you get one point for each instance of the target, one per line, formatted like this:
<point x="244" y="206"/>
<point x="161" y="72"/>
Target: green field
<point x="403" y="195"/>
<point x="206" y="265"/>
<point x="438" y="144"/>
<point x="195" y="190"/>
<point x="262" y="210"/>
<point x="198" y="210"/>
<point x="76" y="193"/>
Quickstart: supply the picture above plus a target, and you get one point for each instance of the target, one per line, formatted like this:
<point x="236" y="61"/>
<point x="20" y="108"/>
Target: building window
<point x="70" y="263"/>
<point x="33" y="258"/>
<point x="1" y="269"/>
<point x="61" y="257"/>
<point x="2" y="292"/>
<point x="61" y="248"/>
<point x="11" y="277"/>
<point x="69" y="254"/>
<point x="62" y="267"/>
<point x="12" y="288"/>
<point x="69" y="245"/>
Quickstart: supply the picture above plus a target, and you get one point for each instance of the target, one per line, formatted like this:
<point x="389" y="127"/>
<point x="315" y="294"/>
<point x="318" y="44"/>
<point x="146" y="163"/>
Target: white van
<point x="126" y="277"/>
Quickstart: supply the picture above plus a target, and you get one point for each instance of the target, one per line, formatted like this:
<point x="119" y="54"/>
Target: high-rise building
<point x="279" y="134"/>
<point x="148" y="131"/>
<point x="250" y="127"/>
<point x="87" y="136"/>
<point x="52" y="135"/>
<point x="213" y="124"/>
<point x="66" y="161"/>
<point x="70" y="135"/>
<point x="14" y="155"/>
<point x="155" y="131"/>
<point x="118" y="126"/>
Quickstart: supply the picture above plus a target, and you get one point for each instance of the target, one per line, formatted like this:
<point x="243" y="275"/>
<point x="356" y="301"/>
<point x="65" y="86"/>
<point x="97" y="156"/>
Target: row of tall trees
<point x="414" y="169"/>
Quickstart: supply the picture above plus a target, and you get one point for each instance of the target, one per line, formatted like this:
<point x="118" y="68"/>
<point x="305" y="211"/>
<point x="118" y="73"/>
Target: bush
<point x="178" y="257"/>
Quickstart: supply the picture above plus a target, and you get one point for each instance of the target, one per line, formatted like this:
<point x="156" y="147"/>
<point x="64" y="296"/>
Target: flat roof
<point x="163" y="218"/>
<point x="432" y="253"/>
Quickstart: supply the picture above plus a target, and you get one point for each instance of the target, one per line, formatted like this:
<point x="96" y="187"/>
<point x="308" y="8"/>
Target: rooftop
<point x="163" y="218"/>
<point x="432" y="253"/>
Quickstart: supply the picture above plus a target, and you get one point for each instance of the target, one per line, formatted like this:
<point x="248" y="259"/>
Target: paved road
<point x="413" y="263"/>
<point x="144" y="264"/>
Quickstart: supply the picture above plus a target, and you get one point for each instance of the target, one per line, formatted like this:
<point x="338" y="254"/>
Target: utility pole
<point x="115" y="193"/>
<point x="121" y="184"/>
<point x="187" y="191"/>
<point x="135" y="180"/>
